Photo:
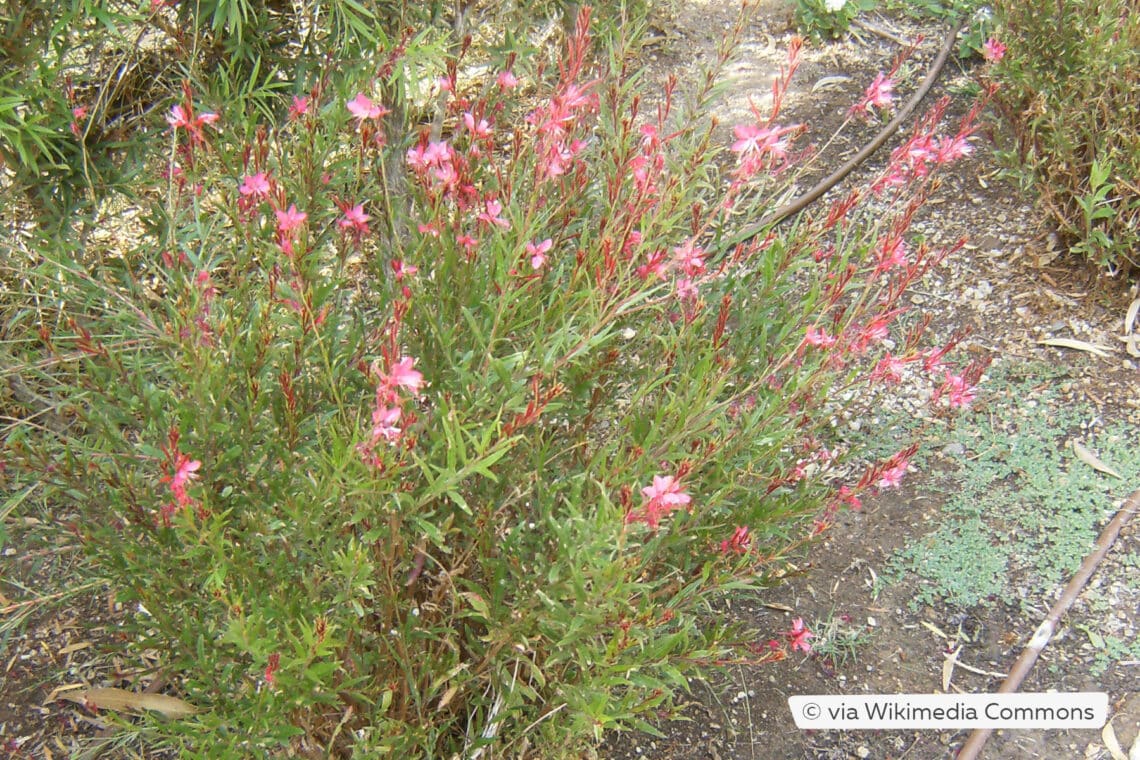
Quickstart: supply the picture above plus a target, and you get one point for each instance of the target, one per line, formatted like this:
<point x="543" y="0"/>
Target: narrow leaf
<point x="824" y="83"/>
<point x="1078" y="345"/>
<point x="121" y="700"/>
<point x="948" y="669"/>
<point x="1091" y="459"/>
<point x="1112" y="744"/>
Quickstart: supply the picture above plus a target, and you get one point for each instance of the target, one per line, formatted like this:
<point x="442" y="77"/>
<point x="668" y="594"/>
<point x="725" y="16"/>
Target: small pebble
<point x="954" y="450"/>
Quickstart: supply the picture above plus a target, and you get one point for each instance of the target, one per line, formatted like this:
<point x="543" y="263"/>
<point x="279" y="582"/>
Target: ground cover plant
<point x="420" y="441"/>
<point x="1027" y="506"/>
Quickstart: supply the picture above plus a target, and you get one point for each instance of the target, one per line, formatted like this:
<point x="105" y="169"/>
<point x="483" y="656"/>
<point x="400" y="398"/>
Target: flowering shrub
<point x="427" y="443"/>
<point x="1067" y="72"/>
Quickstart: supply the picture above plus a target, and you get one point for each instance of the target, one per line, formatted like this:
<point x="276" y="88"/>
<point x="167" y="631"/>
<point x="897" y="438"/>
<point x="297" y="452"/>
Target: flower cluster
<point x="760" y="147"/>
<point x="661" y="498"/>
<point x="914" y="159"/>
<point x="183" y="117"/>
<point x="179" y="471"/>
<point x="798" y="636"/>
<point x="879" y="94"/>
<point x="389" y="417"/>
<point x="558" y="145"/>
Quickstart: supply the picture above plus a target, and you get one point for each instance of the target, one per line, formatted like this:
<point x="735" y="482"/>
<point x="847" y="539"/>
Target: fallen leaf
<point x="780" y="607"/>
<point x="1112" y="743"/>
<point x="934" y="629"/>
<point x="448" y="695"/>
<point x="73" y="648"/>
<point x="1089" y="458"/>
<point x="948" y="668"/>
<point x="1131" y="337"/>
<point x="824" y="83"/>
<point x="1078" y="345"/>
<point x="121" y="700"/>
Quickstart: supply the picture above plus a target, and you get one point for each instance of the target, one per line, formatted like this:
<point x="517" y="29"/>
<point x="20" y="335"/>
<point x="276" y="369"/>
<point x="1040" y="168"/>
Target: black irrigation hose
<point x="828" y="182"/>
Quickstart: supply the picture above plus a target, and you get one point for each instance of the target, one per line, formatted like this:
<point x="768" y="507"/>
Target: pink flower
<point x="271" y="668"/>
<point x="891" y="477"/>
<point x="921" y="150"/>
<point x="879" y="94"/>
<point x="686" y="290"/>
<point x="402" y="270"/>
<point x="480" y="129"/>
<point x="415" y="158"/>
<point x="932" y="358"/>
<point x="799" y="636"/>
<point x="467" y="243"/>
<point x="184" y="118"/>
<point x="355" y="220"/>
<point x="818" y="337"/>
<point x="667" y="490"/>
<point x="299" y="108"/>
<point x="751" y="138"/>
<point x="289" y="220"/>
<point x="177" y="117"/>
<point x="739" y="543"/>
<point x="575" y="96"/>
<point x="506" y="80"/>
<point x="758" y="147"/>
<point x="538" y="253"/>
<point x="661" y="498"/>
<point x="185" y="470"/>
<point x="559" y="158"/>
<point x="848" y="497"/>
<point x="438" y="153"/>
<point x="876" y="331"/>
<point x="748" y="138"/>
<point x="78" y="113"/>
<point x="256" y="185"/>
<point x="492" y="215"/>
<point x="384" y="421"/>
<point x="403" y="376"/>
<point x="180" y="471"/>
<point x="892" y="253"/>
<point x="690" y="258"/>
<point x="951" y="149"/>
<point x="654" y="266"/>
<point x="957" y="391"/>
<point x="364" y="109"/>
<point x="993" y="50"/>
<point x="889" y="370"/>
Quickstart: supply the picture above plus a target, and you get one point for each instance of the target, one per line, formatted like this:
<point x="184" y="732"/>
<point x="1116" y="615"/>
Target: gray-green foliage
<point x="1021" y="510"/>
